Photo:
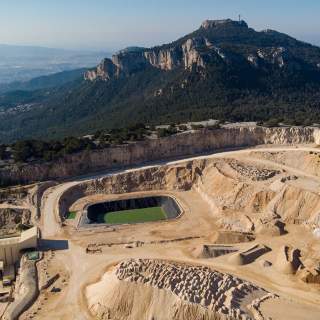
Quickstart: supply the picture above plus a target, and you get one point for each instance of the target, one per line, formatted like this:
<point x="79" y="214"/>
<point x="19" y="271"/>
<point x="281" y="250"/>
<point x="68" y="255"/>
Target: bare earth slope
<point x="245" y="246"/>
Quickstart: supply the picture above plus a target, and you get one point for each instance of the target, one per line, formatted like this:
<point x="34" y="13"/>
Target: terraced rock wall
<point x="155" y="178"/>
<point x="186" y="144"/>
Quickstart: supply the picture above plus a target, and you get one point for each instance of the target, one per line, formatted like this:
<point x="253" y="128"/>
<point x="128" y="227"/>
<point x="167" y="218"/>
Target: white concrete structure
<point x="10" y="248"/>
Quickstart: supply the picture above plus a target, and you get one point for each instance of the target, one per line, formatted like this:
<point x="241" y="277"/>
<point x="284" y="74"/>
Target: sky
<point x="115" y="24"/>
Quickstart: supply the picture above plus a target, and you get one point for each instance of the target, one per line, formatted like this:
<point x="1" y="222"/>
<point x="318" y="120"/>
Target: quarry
<point x="217" y="225"/>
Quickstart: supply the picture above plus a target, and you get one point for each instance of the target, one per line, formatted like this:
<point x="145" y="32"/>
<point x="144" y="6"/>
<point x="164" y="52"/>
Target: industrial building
<point x="11" y="248"/>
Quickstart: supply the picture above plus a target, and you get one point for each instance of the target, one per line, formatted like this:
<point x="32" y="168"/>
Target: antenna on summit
<point x="239" y="18"/>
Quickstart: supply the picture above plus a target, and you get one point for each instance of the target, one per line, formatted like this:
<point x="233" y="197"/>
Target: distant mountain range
<point x="22" y="63"/>
<point x="223" y="70"/>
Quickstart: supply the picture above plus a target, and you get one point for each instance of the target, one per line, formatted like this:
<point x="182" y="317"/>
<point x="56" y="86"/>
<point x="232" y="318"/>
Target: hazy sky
<point x="114" y="24"/>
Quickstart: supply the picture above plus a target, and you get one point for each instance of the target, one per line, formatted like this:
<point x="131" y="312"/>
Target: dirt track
<point x="84" y="269"/>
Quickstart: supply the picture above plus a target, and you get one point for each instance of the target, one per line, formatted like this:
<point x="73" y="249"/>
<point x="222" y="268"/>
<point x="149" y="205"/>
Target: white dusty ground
<point x="269" y="194"/>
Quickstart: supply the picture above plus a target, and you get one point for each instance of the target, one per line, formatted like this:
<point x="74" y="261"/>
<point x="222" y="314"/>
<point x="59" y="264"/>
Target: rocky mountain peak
<point x="131" y="50"/>
<point x="216" y="42"/>
<point x="208" y="24"/>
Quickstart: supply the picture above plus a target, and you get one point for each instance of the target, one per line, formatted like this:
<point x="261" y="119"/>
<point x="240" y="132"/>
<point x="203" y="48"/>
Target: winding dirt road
<point x="49" y="216"/>
<point x="82" y="266"/>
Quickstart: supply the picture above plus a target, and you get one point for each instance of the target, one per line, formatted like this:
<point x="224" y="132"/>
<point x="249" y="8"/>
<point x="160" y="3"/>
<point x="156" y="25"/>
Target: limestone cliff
<point x="245" y="195"/>
<point x="125" y="63"/>
<point x="186" y="144"/>
<point x="190" y="52"/>
<point x="224" y="68"/>
<point x="207" y="24"/>
<point x="196" y="50"/>
<point x="106" y="70"/>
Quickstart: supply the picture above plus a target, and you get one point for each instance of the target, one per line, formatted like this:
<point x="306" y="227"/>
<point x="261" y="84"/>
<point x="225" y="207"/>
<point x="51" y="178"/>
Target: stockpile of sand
<point x="213" y="251"/>
<point x="303" y="264"/>
<point x="249" y="255"/>
<point x="154" y="289"/>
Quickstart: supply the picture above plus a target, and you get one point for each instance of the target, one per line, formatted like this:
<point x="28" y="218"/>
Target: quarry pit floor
<point x="90" y="253"/>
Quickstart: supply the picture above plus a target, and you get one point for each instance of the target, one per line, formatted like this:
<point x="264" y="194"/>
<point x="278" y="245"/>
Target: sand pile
<point x="231" y="237"/>
<point x="154" y="289"/>
<point x="213" y="251"/>
<point x="249" y="255"/>
<point x="288" y="260"/>
<point x="316" y="233"/>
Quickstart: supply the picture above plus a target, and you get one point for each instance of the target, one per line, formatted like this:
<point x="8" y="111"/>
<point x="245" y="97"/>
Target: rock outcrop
<point x="192" y="52"/>
<point x="187" y="55"/>
<point x="198" y="49"/>
<point x="208" y="24"/>
<point x="11" y="218"/>
<point x="106" y="70"/>
<point x="186" y="144"/>
<point x="243" y="196"/>
<point x="164" y="59"/>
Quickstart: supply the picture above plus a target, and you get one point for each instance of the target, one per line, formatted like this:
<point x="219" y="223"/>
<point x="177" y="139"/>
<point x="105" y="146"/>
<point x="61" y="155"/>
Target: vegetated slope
<point x="43" y="82"/>
<point x="223" y="70"/>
